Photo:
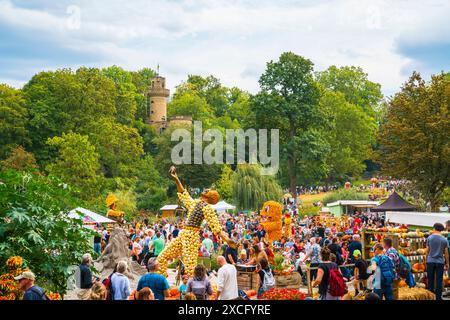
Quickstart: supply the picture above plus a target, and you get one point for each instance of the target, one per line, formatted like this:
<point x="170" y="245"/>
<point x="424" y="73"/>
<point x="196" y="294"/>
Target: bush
<point x="344" y="194"/>
<point x="35" y="226"/>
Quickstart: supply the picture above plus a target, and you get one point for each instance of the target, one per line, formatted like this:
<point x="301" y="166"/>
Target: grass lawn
<point x="308" y="199"/>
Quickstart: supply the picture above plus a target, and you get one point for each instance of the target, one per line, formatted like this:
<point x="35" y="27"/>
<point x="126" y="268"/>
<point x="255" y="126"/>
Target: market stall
<point x="89" y="218"/>
<point x="422" y="219"/>
<point x="394" y="203"/>
<point x="341" y="207"/>
<point x="171" y="210"/>
<point x="223" y="206"/>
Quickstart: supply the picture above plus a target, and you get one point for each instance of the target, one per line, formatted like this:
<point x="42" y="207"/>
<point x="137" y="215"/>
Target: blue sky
<point x="230" y="39"/>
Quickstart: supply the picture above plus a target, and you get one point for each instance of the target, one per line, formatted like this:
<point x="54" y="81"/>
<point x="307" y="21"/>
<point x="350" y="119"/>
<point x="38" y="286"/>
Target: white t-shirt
<point x="227" y="282"/>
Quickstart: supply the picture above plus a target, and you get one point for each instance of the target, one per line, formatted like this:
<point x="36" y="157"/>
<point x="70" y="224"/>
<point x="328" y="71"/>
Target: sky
<point x="230" y="39"/>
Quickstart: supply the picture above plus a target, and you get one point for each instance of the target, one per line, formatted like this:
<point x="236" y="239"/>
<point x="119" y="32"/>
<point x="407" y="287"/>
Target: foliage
<point x="352" y="82"/>
<point x="251" y="189"/>
<point x="350" y="134"/>
<point x="77" y="163"/>
<point x="223" y="185"/>
<point x="35" y="226"/>
<point x="126" y="203"/>
<point x="20" y="160"/>
<point x="344" y="194"/>
<point x="414" y="136"/>
<point x="290" y="96"/>
<point x="13" y="118"/>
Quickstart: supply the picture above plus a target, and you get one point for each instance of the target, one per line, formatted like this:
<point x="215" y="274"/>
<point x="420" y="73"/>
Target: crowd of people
<point x="333" y="254"/>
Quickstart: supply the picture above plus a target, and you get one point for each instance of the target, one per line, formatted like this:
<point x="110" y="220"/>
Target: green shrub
<point x="344" y="194"/>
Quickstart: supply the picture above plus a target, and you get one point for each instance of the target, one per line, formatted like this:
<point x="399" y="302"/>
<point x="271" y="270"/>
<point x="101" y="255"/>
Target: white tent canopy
<point x="223" y="206"/>
<point x="170" y="207"/>
<point x="425" y="219"/>
<point x="79" y="213"/>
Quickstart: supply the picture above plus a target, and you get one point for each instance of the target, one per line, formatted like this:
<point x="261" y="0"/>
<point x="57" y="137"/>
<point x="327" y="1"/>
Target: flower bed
<point x="282" y="294"/>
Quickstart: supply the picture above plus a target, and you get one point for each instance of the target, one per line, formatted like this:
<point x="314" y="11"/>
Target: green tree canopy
<point x="77" y="163"/>
<point x="251" y="189"/>
<point x="414" y="136"/>
<point x="13" y="119"/>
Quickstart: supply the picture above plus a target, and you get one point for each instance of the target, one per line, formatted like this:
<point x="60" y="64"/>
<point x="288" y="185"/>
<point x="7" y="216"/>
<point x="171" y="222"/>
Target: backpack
<point x="109" y="290"/>
<point x="198" y="288"/>
<point x="405" y="267"/>
<point x="387" y="270"/>
<point x="269" y="280"/>
<point x="336" y="284"/>
<point x="41" y="293"/>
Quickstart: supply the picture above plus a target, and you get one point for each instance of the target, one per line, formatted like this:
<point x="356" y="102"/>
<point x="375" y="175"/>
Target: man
<point x="97" y="241"/>
<point x="313" y="253"/>
<point x="26" y="283"/>
<point x="231" y="254"/>
<point x="155" y="281"/>
<point x="175" y="232"/>
<point x="208" y="243"/>
<point x="227" y="288"/>
<point x="260" y="233"/>
<point x="354" y="245"/>
<point x="120" y="283"/>
<point x="157" y="244"/>
<point x="384" y="273"/>
<point x="437" y="259"/>
<point x="393" y="254"/>
<point x="335" y="248"/>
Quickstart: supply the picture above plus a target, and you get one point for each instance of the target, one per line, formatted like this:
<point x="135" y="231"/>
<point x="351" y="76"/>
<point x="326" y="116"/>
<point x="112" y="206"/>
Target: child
<point x="183" y="287"/>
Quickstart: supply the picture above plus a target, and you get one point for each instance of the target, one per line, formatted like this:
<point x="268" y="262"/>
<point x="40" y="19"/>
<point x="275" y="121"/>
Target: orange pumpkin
<point x="402" y="284"/>
<point x="173" y="292"/>
<point x="250" y="293"/>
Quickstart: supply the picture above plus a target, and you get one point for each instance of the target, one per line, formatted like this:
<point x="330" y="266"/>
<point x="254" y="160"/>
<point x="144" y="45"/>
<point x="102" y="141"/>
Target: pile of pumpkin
<point x="416" y="293"/>
<point x="419" y="267"/>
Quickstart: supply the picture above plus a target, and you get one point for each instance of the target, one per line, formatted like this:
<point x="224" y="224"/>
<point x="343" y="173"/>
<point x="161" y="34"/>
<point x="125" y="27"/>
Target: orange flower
<point x="54" y="296"/>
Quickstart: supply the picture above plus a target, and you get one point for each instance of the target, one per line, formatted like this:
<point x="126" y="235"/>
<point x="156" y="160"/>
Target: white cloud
<point x="233" y="40"/>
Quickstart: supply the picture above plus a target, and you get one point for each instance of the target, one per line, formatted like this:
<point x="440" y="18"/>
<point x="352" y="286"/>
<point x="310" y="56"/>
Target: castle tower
<point x="158" y="103"/>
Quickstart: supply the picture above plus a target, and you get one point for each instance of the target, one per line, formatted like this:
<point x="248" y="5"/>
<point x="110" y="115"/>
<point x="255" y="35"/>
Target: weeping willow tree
<point x="251" y="189"/>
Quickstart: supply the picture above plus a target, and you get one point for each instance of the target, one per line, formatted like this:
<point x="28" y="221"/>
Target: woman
<point x="199" y="285"/>
<point x="258" y="254"/>
<point x="266" y="278"/>
<point x="143" y="294"/>
<point x="137" y="249"/>
<point x="323" y="275"/>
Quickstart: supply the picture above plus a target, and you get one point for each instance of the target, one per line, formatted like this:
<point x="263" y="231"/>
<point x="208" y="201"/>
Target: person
<point x="392" y="253"/>
<point x="437" y="259"/>
<point x="155" y="281"/>
<point x="190" y="296"/>
<point x="360" y="275"/>
<point x="336" y="250"/>
<point x="384" y="273"/>
<point x="231" y="254"/>
<point x="313" y="254"/>
<point x="157" y="244"/>
<point x="355" y="244"/>
<point x="97" y="292"/>
<point x="267" y="281"/>
<point x="227" y="288"/>
<point x="97" y="241"/>
<point x="137" y="249"/>
<point x="328" y="272"/>
<point x="182" y="289"/>
<point x="143" y="294"/>
<point x="25" y="282"/>
<point x="448" y="240"/>
<point x="86" y="279"/>
<point x="208" y="243"/>
<point x="120" y="284"/>
<point x="243" y="257"/>
<point x="372" y="296"/>
<point x="199" y="285"/>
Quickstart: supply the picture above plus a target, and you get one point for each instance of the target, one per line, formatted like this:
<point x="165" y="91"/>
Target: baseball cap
<point x="356" y="253"/>
<point x="26" y="275"/>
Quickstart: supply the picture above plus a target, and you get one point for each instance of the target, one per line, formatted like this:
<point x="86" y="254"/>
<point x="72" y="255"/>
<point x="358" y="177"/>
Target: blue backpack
<point x="405" y="267"/>
<point x="387" y="270"/>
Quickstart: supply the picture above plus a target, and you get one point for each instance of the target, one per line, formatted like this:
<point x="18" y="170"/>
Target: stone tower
<point x="158" y="103"/>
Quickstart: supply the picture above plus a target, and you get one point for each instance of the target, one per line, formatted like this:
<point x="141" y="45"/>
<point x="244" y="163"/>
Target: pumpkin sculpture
<point x="271" y="214"/>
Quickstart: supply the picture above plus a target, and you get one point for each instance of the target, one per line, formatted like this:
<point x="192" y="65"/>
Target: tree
<point x="190" y="104"/>
<point x="290" y="96"/>
<point x="34" y="225"/>
<point x="19" y="160"/>
<point x="77" y="163"/>
<point x="414" y="136"/>
<point x="350" y="134"/>
<point x="142" y="80"/>
<point x="62" y="101"/>
<point x="352" y="82"/>
<point x="223" y="185"/>
<point x="13" y="119"/>
<point x="251" y="189"/>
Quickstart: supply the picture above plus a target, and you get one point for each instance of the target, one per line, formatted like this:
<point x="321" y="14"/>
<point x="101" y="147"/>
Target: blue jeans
<point x="386" y="290"/>
<point x="97" y="247"/>
<point x="435" y="273"/>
